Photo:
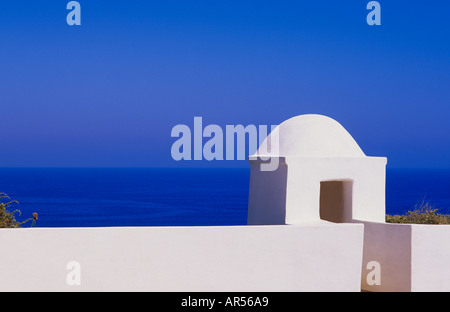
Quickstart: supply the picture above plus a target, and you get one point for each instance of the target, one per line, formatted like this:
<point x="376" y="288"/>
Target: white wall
<point x="430" y="257"/>
<point x="235" y="258"/>
<point x="389" y="245"/>
<point x="412" y="257"/>
<point x="291" y="194"/>
<point x="305" y="175"/>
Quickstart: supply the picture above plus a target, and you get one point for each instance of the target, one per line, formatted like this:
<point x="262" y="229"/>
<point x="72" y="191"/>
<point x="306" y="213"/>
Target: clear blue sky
<point x="108" y="92"/>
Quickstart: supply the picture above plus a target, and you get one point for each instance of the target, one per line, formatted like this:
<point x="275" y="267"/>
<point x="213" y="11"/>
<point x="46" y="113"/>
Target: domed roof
<point x="310" y="136"/>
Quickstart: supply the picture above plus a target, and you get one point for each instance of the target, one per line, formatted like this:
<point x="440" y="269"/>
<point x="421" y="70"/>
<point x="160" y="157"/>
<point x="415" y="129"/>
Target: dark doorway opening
<point x="336" y="200"/>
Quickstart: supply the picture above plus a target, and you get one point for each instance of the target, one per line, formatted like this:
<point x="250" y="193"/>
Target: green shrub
<point x="423" y="213"/>
<point x="7" y="219"/>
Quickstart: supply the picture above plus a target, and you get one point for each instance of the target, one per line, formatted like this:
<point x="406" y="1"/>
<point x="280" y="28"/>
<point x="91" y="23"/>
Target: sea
<point x="103" y="197"/>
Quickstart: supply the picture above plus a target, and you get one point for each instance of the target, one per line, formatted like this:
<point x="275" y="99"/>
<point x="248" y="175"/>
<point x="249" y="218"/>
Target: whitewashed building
<point x="322" y="175"/>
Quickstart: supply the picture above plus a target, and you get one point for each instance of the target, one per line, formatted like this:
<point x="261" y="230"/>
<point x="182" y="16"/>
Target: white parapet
<point x="411" y="257"/>
<point x="316" y="257"/>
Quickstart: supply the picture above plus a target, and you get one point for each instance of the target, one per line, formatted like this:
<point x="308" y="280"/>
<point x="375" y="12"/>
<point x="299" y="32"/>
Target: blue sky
<point x="108" y="92"/>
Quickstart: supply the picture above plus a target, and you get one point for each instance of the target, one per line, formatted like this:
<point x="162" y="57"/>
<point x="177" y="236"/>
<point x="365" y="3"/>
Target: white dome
<point x="310" y="136"/>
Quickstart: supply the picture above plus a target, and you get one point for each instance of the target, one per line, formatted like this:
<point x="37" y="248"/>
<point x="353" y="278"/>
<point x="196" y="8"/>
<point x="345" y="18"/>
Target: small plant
<point x="423" y="213"/>
<point x="35" y="217"/>
<point x="7" y="219"/>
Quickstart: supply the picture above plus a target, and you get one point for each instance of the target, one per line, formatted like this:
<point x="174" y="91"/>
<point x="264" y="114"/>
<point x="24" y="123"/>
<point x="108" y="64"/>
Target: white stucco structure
<point x="322" y="175"/>
<point x="189" y="259"/>
<point x="412" y="257"/>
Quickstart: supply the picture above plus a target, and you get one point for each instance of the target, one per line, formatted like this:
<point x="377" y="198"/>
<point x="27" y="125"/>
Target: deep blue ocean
<point x="77" y="197"/>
